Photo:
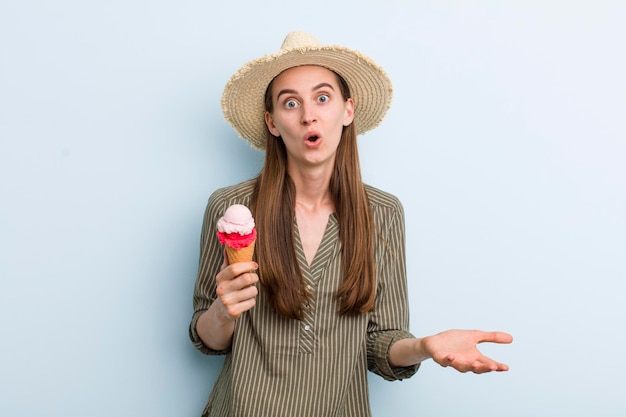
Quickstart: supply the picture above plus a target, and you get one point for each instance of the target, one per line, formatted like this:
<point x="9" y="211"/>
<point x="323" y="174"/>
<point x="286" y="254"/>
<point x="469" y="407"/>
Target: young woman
<point x="326" y="297"/>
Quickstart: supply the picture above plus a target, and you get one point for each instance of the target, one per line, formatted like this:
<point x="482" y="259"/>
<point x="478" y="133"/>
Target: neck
<point x="312" y="187"/>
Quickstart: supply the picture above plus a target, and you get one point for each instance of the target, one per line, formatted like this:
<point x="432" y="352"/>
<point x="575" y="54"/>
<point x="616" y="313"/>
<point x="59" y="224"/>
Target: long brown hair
<point x="273" y="206"/>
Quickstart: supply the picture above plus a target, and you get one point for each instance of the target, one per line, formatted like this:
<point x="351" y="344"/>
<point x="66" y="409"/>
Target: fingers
<point x="236" y="303"/>
<point x="236" y="278"/>
<point x="236" y="288"/>
<point x="229" y="272"/>
<point x="487" y="365"/>
<point x="472" y="361"/>
<point x="458" y="349"/>
<point x="496" y="337"/>
<point x="478" y="366"/>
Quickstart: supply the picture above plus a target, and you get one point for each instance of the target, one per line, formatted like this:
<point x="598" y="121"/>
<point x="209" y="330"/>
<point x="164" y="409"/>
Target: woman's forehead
<point x="305" y="74"/>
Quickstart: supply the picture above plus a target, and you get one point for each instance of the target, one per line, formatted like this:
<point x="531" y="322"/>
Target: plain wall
<point x="505" y="142"/>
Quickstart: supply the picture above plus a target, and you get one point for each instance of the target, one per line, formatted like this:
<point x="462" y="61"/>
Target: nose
<point x="308" y="116"/>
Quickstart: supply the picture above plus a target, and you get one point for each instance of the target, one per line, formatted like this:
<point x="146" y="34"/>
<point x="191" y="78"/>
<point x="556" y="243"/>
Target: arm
<point x="389" y="322"/>
<point x="221" y="292"/>
<point x="236" y="294"/>
<point x="455" y="348"/>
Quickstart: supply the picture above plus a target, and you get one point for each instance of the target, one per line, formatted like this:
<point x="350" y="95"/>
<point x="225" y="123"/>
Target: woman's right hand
<point x="236" y="292"/>
<point x="236" y="289"/>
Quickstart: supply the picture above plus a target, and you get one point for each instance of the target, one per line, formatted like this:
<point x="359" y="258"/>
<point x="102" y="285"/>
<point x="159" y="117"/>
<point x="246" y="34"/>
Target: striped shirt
<point x="316" y="367"/>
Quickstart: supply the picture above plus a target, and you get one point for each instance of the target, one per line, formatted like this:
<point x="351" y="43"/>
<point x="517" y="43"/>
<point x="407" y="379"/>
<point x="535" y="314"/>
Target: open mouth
<point x="313" y="137"/>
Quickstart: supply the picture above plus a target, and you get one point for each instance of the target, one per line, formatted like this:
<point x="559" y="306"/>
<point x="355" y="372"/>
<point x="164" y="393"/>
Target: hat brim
<point x="243" y="97"/>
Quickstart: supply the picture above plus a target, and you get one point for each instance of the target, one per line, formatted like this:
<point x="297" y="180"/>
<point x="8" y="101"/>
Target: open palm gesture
<point x="458" y="349"/>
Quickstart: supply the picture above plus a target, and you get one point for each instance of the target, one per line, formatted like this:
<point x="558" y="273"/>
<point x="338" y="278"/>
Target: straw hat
<point x="243" y="97"/>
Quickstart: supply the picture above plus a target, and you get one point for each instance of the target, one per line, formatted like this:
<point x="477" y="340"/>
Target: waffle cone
<point x="240" y="255"/>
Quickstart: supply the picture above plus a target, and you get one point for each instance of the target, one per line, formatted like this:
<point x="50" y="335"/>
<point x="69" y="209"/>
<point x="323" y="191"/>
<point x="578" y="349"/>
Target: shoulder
<point x="387" y="212"/>
<point x="382" y="200"/>
<point x="224" y="197"/>
<point x="234" y="194"/>
<point x="388" y="222"/>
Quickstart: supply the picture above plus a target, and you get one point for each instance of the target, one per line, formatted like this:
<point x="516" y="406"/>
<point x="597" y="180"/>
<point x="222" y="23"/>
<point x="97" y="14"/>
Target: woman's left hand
<point x="458" y="349"/>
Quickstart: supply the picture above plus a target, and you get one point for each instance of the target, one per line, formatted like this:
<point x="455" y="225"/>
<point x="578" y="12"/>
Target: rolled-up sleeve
<point x="389" y="322"/>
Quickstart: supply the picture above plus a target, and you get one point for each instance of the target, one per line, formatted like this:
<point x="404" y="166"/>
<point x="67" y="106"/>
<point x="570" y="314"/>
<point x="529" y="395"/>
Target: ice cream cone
<point x="236" y="231"/>
<point x="240" y="255"/>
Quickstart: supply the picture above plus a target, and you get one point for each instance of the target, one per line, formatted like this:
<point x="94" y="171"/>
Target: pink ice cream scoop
<point x="236" y="231"/>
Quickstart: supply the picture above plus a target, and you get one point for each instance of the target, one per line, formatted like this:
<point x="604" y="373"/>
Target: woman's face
<point x="309" y="114"/>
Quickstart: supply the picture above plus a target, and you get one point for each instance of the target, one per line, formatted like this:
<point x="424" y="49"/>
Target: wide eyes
<point x="292" y="103"/>
<point x="323" y="98"/>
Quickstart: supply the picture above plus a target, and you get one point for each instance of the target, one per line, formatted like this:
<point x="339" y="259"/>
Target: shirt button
<point x="307" y="327"/>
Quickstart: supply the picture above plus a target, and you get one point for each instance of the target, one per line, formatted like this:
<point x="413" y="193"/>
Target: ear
<point x="349" y="114"/>
<point x="269" y="121"/>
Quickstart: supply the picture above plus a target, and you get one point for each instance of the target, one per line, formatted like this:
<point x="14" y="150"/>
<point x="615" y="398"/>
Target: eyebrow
<point x="291" y="91"/>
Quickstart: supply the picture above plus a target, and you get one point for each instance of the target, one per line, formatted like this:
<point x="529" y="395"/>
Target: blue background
<point x="505" y="142"/>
